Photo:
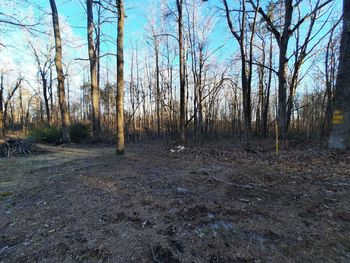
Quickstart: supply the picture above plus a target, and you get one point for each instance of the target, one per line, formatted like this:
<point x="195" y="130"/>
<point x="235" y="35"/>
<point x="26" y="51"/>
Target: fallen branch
<point x="18" y="147"/>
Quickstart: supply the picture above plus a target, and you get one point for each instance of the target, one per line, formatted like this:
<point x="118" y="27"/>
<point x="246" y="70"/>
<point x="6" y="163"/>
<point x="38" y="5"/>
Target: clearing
<point x="216" y="203"/>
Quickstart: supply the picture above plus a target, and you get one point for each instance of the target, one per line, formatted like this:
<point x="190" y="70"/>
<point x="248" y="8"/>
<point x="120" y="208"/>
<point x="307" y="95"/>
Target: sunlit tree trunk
<point x="120" y="79"/>
<point x="95" y="94"/>
<point x="60" y="77"/>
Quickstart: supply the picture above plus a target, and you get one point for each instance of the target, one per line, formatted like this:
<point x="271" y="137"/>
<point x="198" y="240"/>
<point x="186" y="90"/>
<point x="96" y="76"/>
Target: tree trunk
<point x="339" y="137"/>
<point x="51" y="96"/>
<point x="21" y="108"/>
<point x="246" y="72"/>
<point x="46" y="99"/>
<point x="95" y="95"/>
<point x="282" y="91"/>
<point x="60" y="77"/>
<point x="12" y="114"/>
<point x="2" y="132"/>
<point x="156" y="50"/>
<point x="179" y="4"/>
<point x="328" y="96"/>
<point x="199" y="97"/>
<point x="132" y="94"/>
<point x="264" y="125"/>
<point x="260" y="106"/>
<point x="120" y="79"/>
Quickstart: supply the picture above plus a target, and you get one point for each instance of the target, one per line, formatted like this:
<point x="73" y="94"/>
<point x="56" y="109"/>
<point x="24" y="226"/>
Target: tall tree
<point x="198" y="31"/>
<point x="120" y="78"/>
<point x="95" y="94"/>
<point x="182" y="66"/>
<point x="44" y="66"/>
<point x="339" y="137"/>
<point x="156" y="52"/>
<point x="246" y="56"/>
<point x="60" y="76"/>
<point x="6" y="102"/>
<point x="283" y="34"/>
<point x="2" y="133"/>
<point x="330" y="68"/>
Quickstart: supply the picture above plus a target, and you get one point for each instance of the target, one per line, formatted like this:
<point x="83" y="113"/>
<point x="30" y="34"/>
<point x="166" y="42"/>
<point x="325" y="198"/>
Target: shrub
<point x="79" y="132"/>
<point x="49" y="134"/>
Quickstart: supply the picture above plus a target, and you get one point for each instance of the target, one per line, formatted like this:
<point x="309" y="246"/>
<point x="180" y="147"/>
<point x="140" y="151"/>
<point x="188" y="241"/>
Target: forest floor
<point x="215" y="203"/>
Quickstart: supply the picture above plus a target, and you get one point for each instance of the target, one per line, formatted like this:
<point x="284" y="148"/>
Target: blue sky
<point x="72" y="13"/>
<point x="137" y="12"/>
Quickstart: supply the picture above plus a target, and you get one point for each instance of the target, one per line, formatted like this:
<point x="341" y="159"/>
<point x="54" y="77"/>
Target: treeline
<point x="275" y="73"/>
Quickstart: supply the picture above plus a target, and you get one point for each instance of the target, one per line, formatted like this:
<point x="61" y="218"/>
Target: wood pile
<point x="17" y="147"/>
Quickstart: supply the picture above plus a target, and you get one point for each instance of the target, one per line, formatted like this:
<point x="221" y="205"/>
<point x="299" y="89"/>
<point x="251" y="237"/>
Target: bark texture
<point x="95" y="94"/>
<point x="179" y="4"/>
<point x="120" y="79"/>
<point x="339" y="137"/>
<point x="60" y="76"/>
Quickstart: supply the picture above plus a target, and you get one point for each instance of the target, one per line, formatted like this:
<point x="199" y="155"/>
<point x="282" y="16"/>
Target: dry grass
<point x="217" y="203"/>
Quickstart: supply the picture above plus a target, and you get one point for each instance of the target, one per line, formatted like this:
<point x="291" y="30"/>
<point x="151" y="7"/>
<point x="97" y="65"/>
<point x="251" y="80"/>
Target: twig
<point x="154" y="257"/>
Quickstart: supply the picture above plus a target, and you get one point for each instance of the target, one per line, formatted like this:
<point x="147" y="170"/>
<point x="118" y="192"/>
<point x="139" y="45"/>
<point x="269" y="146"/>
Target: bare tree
<point x="198" y="31"/>
<point x="330" y="68"/>
<point x="156" y="52"/>
<point x="181" y="86"/>
<point x="182" y="66"/>
<point x="120" y="78"/>
<point x="95" y="94"/>
<point x="246" y="58"/>
<point x="5" y="102"/>
<point x="282" y="38"/>
<point x="60" y="76"/>
<point x="43" y="70"/>
<point x="11" y="92"/>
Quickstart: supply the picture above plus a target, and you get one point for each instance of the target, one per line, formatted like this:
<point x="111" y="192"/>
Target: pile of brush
<point x="16" y="147"/>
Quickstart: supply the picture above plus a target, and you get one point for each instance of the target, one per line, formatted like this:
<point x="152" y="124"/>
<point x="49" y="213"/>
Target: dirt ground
<point x="215" y="203"/>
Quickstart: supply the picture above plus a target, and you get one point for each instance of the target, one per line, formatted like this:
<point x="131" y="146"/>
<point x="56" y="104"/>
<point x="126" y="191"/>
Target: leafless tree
<point x="120" y="78"/>
<point x="93" y="59"/>
<point x="60" y="76"/>
<point x="246" y="57"/>
<point x="44" y="67"/>
<point x="282" y="38"/>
